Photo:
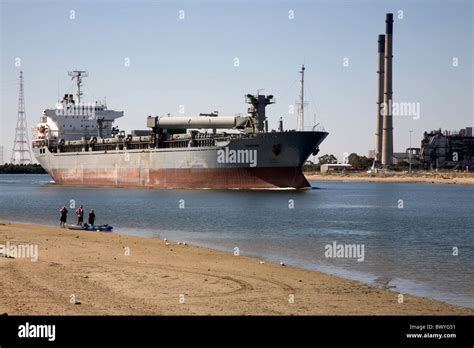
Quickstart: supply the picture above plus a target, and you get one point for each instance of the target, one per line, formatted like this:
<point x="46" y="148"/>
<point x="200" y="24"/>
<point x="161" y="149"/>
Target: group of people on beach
<point x="80" y="216"/>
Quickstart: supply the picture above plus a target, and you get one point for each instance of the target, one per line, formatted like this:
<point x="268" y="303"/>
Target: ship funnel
<point x="387" y="131"/>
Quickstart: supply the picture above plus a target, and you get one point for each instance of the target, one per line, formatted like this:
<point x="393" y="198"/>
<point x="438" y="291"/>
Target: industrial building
<point x="450" y="150"/>
<point x="439" y="150"/>
<point x="339" y="168"/>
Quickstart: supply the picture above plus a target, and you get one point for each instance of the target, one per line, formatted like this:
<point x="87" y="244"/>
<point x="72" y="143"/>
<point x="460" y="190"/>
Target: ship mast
<point x="300" y="120"/>
<point x="78" y="75"/>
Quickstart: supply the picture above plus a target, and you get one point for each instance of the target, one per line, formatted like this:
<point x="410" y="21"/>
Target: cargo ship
<point x="78" y="144"/>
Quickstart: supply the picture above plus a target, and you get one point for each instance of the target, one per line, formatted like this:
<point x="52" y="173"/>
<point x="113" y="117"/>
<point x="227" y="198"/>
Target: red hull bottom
<point x="196" y="178"/>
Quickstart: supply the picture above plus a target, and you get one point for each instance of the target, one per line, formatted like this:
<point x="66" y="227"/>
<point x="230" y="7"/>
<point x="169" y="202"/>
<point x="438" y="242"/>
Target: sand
<point x="88" y="273"/>
<point x="423" y="177"/>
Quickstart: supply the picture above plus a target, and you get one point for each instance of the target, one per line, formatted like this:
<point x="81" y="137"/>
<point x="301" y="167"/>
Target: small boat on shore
<point x="86" y="227"/>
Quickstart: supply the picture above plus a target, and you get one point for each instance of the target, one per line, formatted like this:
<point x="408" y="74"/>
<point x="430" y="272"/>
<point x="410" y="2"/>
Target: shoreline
<point x="419" y="178"/>
<point x="164" y="278"/>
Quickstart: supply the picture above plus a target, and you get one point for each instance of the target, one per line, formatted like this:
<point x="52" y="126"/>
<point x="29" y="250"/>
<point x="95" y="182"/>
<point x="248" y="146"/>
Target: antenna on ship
<point x="78" y="75"/>
<point x="300" y="119"/>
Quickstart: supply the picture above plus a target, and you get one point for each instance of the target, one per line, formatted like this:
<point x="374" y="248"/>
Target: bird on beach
<point x="165" y="240"/>
<point x="282" y="263"/>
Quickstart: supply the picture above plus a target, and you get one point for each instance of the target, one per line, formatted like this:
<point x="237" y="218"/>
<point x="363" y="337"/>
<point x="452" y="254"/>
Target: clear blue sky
<point x="191" y="62"/>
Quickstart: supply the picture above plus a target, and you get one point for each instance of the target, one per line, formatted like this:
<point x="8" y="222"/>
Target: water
<point x="410" y="248"/>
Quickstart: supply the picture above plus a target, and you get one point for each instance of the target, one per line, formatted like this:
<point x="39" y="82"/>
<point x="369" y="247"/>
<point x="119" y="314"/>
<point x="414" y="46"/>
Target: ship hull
<point x="277" y="161"/>
<point x="222" y="178"/>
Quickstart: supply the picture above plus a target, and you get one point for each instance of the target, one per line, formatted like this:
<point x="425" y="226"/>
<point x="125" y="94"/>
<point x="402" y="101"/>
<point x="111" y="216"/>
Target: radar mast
<point x="78" y="75"/>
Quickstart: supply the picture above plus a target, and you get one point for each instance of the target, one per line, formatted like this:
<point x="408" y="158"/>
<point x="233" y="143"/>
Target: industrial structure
<point x="387" y="132"/>
<point x="21" y="153"/>
<point x="448" y="149"/>
<point x="380" y="96"/>
<point x="384" y="119"/>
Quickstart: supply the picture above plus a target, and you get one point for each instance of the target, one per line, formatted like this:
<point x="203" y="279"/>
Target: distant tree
<point x="401" y="165"/>
<point x="327" y="159"/>
<point x="10" y="168"/>
<point x="359" y="161"/>
<point x="311" y="167"/>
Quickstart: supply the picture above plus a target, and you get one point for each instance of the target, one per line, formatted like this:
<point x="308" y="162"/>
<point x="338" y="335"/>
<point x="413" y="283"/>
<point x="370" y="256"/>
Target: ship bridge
<point x="69" y="121"/>
<point x="74" y="120"/>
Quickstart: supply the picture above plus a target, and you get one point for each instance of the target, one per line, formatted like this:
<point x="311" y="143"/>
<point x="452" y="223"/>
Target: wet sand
<point x="89" y="273"/>
<point x="425" y="177"/>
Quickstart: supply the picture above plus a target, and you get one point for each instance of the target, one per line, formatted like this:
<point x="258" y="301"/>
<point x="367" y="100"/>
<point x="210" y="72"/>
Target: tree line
<point x="353" y="159"/>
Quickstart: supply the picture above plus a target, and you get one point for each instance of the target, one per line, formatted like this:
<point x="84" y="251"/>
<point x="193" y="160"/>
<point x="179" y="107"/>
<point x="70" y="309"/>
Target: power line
<point x="21" y="153"/>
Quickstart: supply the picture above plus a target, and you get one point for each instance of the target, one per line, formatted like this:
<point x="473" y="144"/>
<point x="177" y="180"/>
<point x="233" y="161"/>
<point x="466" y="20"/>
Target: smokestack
<point x="387" y="132"/>
<point x="380" y="96"/>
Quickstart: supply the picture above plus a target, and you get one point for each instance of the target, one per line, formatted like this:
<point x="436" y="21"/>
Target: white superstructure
<point x="71" y="120"/>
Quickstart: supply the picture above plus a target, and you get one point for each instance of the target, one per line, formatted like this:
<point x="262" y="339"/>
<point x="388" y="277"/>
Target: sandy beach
<point x="424" y="177"/>
<point x="79" y="273"/>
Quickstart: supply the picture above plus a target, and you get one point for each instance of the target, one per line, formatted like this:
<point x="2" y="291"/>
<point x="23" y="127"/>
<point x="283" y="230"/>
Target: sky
<point x="206" y="55"/>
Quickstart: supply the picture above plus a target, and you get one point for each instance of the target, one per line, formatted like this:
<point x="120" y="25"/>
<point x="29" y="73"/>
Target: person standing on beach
<point x="80" y="215"/>
<point x="91" y="217"/>
<point x="62" y="220"/>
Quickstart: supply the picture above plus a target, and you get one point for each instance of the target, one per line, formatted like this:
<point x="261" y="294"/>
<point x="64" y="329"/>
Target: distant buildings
<point x="339" y="168"/>
<point x="398" y="157"/>
<point x="440" y="150"/>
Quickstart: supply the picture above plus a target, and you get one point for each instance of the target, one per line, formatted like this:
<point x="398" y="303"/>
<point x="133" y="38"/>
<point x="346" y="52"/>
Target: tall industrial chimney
<point x="380" y="96"/>
<point x="387" y="132"/>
